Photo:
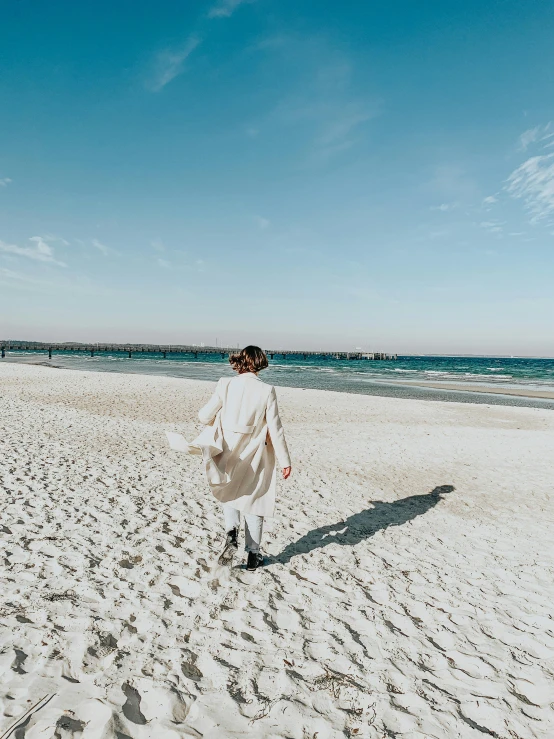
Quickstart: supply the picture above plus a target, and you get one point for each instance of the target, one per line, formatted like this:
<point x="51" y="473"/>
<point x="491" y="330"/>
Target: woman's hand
<point x="286" y="472"/>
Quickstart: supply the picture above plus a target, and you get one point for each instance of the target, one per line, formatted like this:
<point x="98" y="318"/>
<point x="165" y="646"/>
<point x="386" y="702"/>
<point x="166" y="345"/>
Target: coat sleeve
<point x="276" y="431"/>
<point x="209" y="411"/>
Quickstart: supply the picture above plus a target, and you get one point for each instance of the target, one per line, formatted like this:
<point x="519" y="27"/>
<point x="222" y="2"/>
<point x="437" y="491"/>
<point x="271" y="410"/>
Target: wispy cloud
<point x="490" y="200"/>
<point x="225" y="8"/>
<point x="9" y="274"/>
<point x="322" y="106"/>
<point x="178" y="260"/>
<point x="263" y="223"/>
<point x="39" y="252"/>
<point x="169" y="63"/>
<point x="444" y="207"/>
<point x="533" y="183"/>
<point x="536" y="135"/>
<point x="51" y="238"/>
<point x="157" y="245"/>
<point x="4" y="181"/>
<point x="18" y="281"/>
<point x="529" y="137"/>
<point x="339" y="132"/>
<point x="336" y="122"/>
<point x="493" y="227"/>
<point x="453" y="183"/>
<point x="440" y="234"/>
<point x="102" y="247"/>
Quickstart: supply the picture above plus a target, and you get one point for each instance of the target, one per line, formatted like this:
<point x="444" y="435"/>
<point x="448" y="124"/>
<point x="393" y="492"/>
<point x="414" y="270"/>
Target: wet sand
<point x="522" y="392"/>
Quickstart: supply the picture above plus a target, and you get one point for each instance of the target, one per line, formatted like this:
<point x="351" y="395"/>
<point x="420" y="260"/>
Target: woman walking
<point x="239" y="447"/>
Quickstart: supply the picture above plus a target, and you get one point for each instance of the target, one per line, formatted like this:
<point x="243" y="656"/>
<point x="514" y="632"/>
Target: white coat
<point x="240" y="444"/>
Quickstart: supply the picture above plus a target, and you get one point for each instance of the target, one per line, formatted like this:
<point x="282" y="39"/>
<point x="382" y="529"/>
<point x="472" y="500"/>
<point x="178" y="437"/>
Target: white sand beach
<point x="408" y="589"/>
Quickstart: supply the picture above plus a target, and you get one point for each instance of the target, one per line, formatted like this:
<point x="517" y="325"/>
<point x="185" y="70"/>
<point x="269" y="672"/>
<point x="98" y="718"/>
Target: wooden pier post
<point x="3" y="352"/>
<point x="164" y="354"/>
<point x="129" y="354"/>
<point x="49" y="352"/>
<point x="92" y="352"/>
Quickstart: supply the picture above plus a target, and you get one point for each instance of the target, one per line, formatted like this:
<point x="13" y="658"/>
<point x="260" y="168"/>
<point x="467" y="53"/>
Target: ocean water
<point x="357" y="376"/>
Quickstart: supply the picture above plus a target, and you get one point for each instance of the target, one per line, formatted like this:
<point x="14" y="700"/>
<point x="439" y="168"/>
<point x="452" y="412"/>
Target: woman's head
<point x="250" y="359"/>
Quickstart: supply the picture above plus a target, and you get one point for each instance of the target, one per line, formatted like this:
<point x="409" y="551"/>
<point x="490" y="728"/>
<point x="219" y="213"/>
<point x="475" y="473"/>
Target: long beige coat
<point x="241" y="442"/>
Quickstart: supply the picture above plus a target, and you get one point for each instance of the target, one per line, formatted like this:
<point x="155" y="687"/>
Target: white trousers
<point x="253" y="527"/>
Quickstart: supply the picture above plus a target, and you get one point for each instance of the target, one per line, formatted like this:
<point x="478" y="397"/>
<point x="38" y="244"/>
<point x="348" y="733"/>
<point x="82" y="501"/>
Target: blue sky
<point x="313" y="174"/>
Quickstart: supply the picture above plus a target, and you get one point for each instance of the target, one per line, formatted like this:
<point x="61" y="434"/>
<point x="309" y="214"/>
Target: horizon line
<point x="215" y="347"/>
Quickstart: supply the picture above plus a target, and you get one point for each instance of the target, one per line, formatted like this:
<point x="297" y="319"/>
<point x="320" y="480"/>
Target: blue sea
<point x="356" y="376"/>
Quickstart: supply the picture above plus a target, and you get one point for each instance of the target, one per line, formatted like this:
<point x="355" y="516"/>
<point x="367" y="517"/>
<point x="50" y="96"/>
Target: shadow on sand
<point x="363" y="525"/>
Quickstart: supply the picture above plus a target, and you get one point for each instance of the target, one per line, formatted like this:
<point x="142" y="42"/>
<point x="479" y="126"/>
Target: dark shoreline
<point x="357" y="387"/>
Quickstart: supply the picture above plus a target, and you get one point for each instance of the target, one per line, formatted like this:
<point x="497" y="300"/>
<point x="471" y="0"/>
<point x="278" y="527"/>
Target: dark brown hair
<point x="250" y="359"/>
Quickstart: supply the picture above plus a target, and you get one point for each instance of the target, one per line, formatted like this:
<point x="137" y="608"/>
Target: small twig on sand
<point x="333" y="681"/>
<point x="264" y="710"/>
<point x="38" y="705"/>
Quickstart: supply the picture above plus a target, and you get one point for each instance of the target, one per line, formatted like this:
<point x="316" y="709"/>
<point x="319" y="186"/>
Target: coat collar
<point x="249" y="374"/>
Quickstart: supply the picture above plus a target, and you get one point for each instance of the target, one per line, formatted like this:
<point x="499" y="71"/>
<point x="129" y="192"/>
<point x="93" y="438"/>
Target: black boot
<point x="254" y="561"/>
<point x="230" y="549"/>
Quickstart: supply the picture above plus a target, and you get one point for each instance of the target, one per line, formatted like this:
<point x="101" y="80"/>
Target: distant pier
<point x="166" y="351"/>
